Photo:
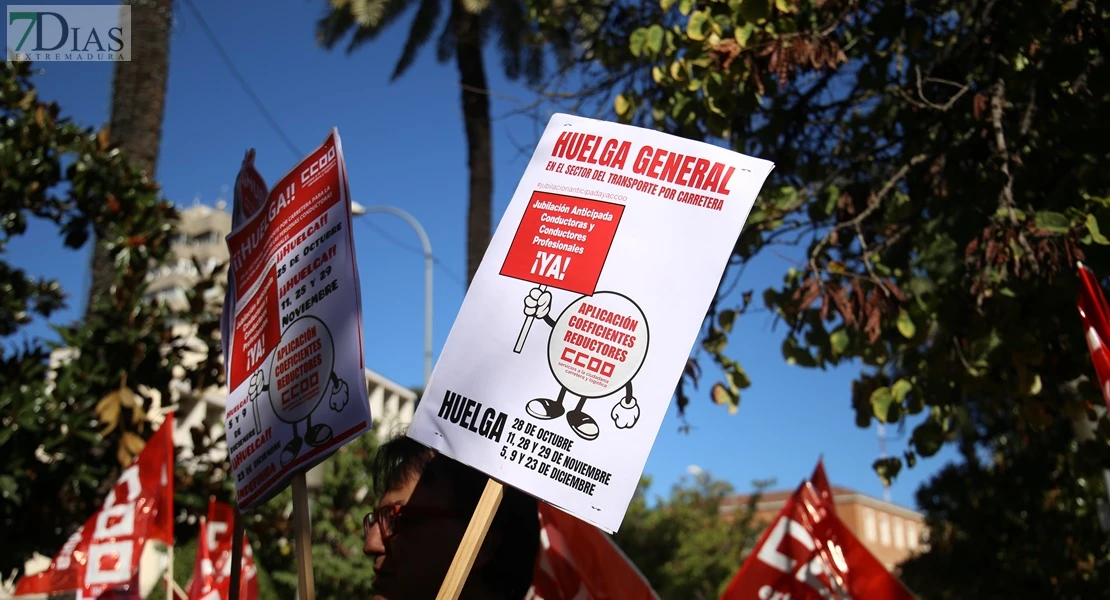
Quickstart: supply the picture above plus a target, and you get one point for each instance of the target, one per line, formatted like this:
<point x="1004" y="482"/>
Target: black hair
<point x="517" y="522"/>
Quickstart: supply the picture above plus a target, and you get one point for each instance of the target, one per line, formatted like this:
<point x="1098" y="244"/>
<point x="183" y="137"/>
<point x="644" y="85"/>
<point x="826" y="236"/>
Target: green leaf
<point x="695" y="26"/>
<point x="887" y="469"/>
<point x="685" y="6"/>
<point x="725" y="319"/>
<point x="796" y="355"/>
<point x="738" y="379"/>
<point x="1096" y="235"/>
<point x="911" y="458"/>
<point x="621" y="104"/>
<point x="905" y="325"/>
<point x="881" y="400"/>
<point x="928" y="438"/>
<point x="743" y="34"/>
<point x="786" y="6"/>
<point x="654" y="42"/>
<point x="900" y="389"/>
<point x="666" y="4"/>
<point x="721" y="395"/>
<point x="1051" y="221"/>
<point x="839" y="341"/>
<point x="715" y="341"/>
<point x="637" y="40"/>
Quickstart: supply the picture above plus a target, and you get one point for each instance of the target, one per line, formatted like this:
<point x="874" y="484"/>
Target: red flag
<point x="203" y="585"/>
<point x="221" y="519"/>
<point x="820" y="483"/>
<point x="576" y="560"/>
<point x="1095" y="314"/>
<point x="104" y="553"/>
<point x="808" y="554"/>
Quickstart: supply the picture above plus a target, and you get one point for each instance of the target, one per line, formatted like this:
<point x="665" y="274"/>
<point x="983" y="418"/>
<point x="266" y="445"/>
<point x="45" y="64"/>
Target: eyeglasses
<point x="387" y="517"/>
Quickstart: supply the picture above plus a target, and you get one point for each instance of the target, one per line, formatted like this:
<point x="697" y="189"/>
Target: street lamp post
<point x="429" y="261"/>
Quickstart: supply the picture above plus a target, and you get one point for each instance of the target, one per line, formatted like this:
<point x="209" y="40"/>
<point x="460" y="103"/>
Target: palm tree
<point x="468" y="26"/>
<point x="138" y="106"/>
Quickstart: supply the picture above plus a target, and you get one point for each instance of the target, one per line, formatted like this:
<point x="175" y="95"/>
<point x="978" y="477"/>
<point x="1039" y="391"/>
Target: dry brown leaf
<point x="127" y="398"/>
<point x="108" y="411"/>
<point x="102" y="139"/>
<point x="132" y="442"/>
<point x="123" y="456"/>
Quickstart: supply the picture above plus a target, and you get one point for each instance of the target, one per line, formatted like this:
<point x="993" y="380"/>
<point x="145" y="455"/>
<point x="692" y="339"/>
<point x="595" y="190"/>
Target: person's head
<point x="425" y="503"/>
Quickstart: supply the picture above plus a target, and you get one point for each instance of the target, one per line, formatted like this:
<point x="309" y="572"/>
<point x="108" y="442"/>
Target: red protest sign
<point x="104" y="553"/>
<point x="562" y="242"/>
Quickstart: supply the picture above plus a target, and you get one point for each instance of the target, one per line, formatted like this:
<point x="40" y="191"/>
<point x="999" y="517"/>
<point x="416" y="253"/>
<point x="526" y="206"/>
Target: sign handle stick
<point x="236" y="556"/>
<point x="169" y="571"/>
<point x="524" y="329"/>
<point x="472" y="541"/>
<point x="302" y="527"/>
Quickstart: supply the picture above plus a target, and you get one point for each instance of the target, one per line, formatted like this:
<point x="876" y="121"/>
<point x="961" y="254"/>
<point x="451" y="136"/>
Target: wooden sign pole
<point x="472" y="541"/>
<point x="302" y="529"/>
<point x="236" y="556"/>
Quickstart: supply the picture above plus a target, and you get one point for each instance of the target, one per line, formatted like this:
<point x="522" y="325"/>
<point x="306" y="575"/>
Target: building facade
<point x="890" y="532"/>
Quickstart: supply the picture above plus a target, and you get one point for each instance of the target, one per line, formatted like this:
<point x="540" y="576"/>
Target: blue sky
<point x="404" y="147"/>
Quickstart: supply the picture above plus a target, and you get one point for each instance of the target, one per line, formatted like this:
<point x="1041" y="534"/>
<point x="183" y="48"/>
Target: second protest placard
<point x="562" y="362"/>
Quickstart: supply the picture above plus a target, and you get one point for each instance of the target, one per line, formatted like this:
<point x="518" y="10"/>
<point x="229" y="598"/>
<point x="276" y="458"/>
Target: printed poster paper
<point x="565" y="354"/>
<point x="295" y="366"/>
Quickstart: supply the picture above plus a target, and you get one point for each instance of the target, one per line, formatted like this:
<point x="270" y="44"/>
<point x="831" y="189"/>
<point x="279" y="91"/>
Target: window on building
<point x="911" y="535"/>
<point x="206" y="237"/>
<point x="884" y="530"/>
<point x="899" y="534"/>
<point x="869" y="530"/>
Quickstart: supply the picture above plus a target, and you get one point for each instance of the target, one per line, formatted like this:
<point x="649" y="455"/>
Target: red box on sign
<point x="257" y="331"/>
<point x="563" y="241"/>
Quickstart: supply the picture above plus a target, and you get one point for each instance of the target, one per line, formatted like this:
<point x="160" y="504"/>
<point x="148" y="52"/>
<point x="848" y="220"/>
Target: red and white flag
<point x="104" y="553"/>
<point x="821" y="485"/>
<point x="808" y="554"/>
<point x="203" y="585"/>
<point x="221" y="520"/>
<point x="578" y="562"/>
<point x="1095" y="314"/>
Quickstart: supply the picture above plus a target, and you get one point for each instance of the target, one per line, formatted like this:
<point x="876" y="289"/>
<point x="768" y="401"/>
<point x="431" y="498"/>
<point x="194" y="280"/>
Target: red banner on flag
<point x="223" y="514"/>
<point x="104" y="553"/>
<point x="808" y="554"/>
<point x="1095" y="314"/>
<point x="203" y="585"/>
<point x="576" y="560"/>
<point x="821" y="485"/>
<point x="216" y="539"/>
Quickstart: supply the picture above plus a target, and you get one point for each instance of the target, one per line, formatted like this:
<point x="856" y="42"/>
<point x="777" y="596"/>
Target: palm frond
<point x="475" y="6"/>
<point x="419" y="34"/>
<point x="367" y="18"/>
<point x="445" y="46"/>
<point x="512" y="26"/>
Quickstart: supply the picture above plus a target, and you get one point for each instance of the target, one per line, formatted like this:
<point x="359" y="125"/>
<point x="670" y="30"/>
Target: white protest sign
<point x="295" y="366"/>
<point x="562" y="362"/>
